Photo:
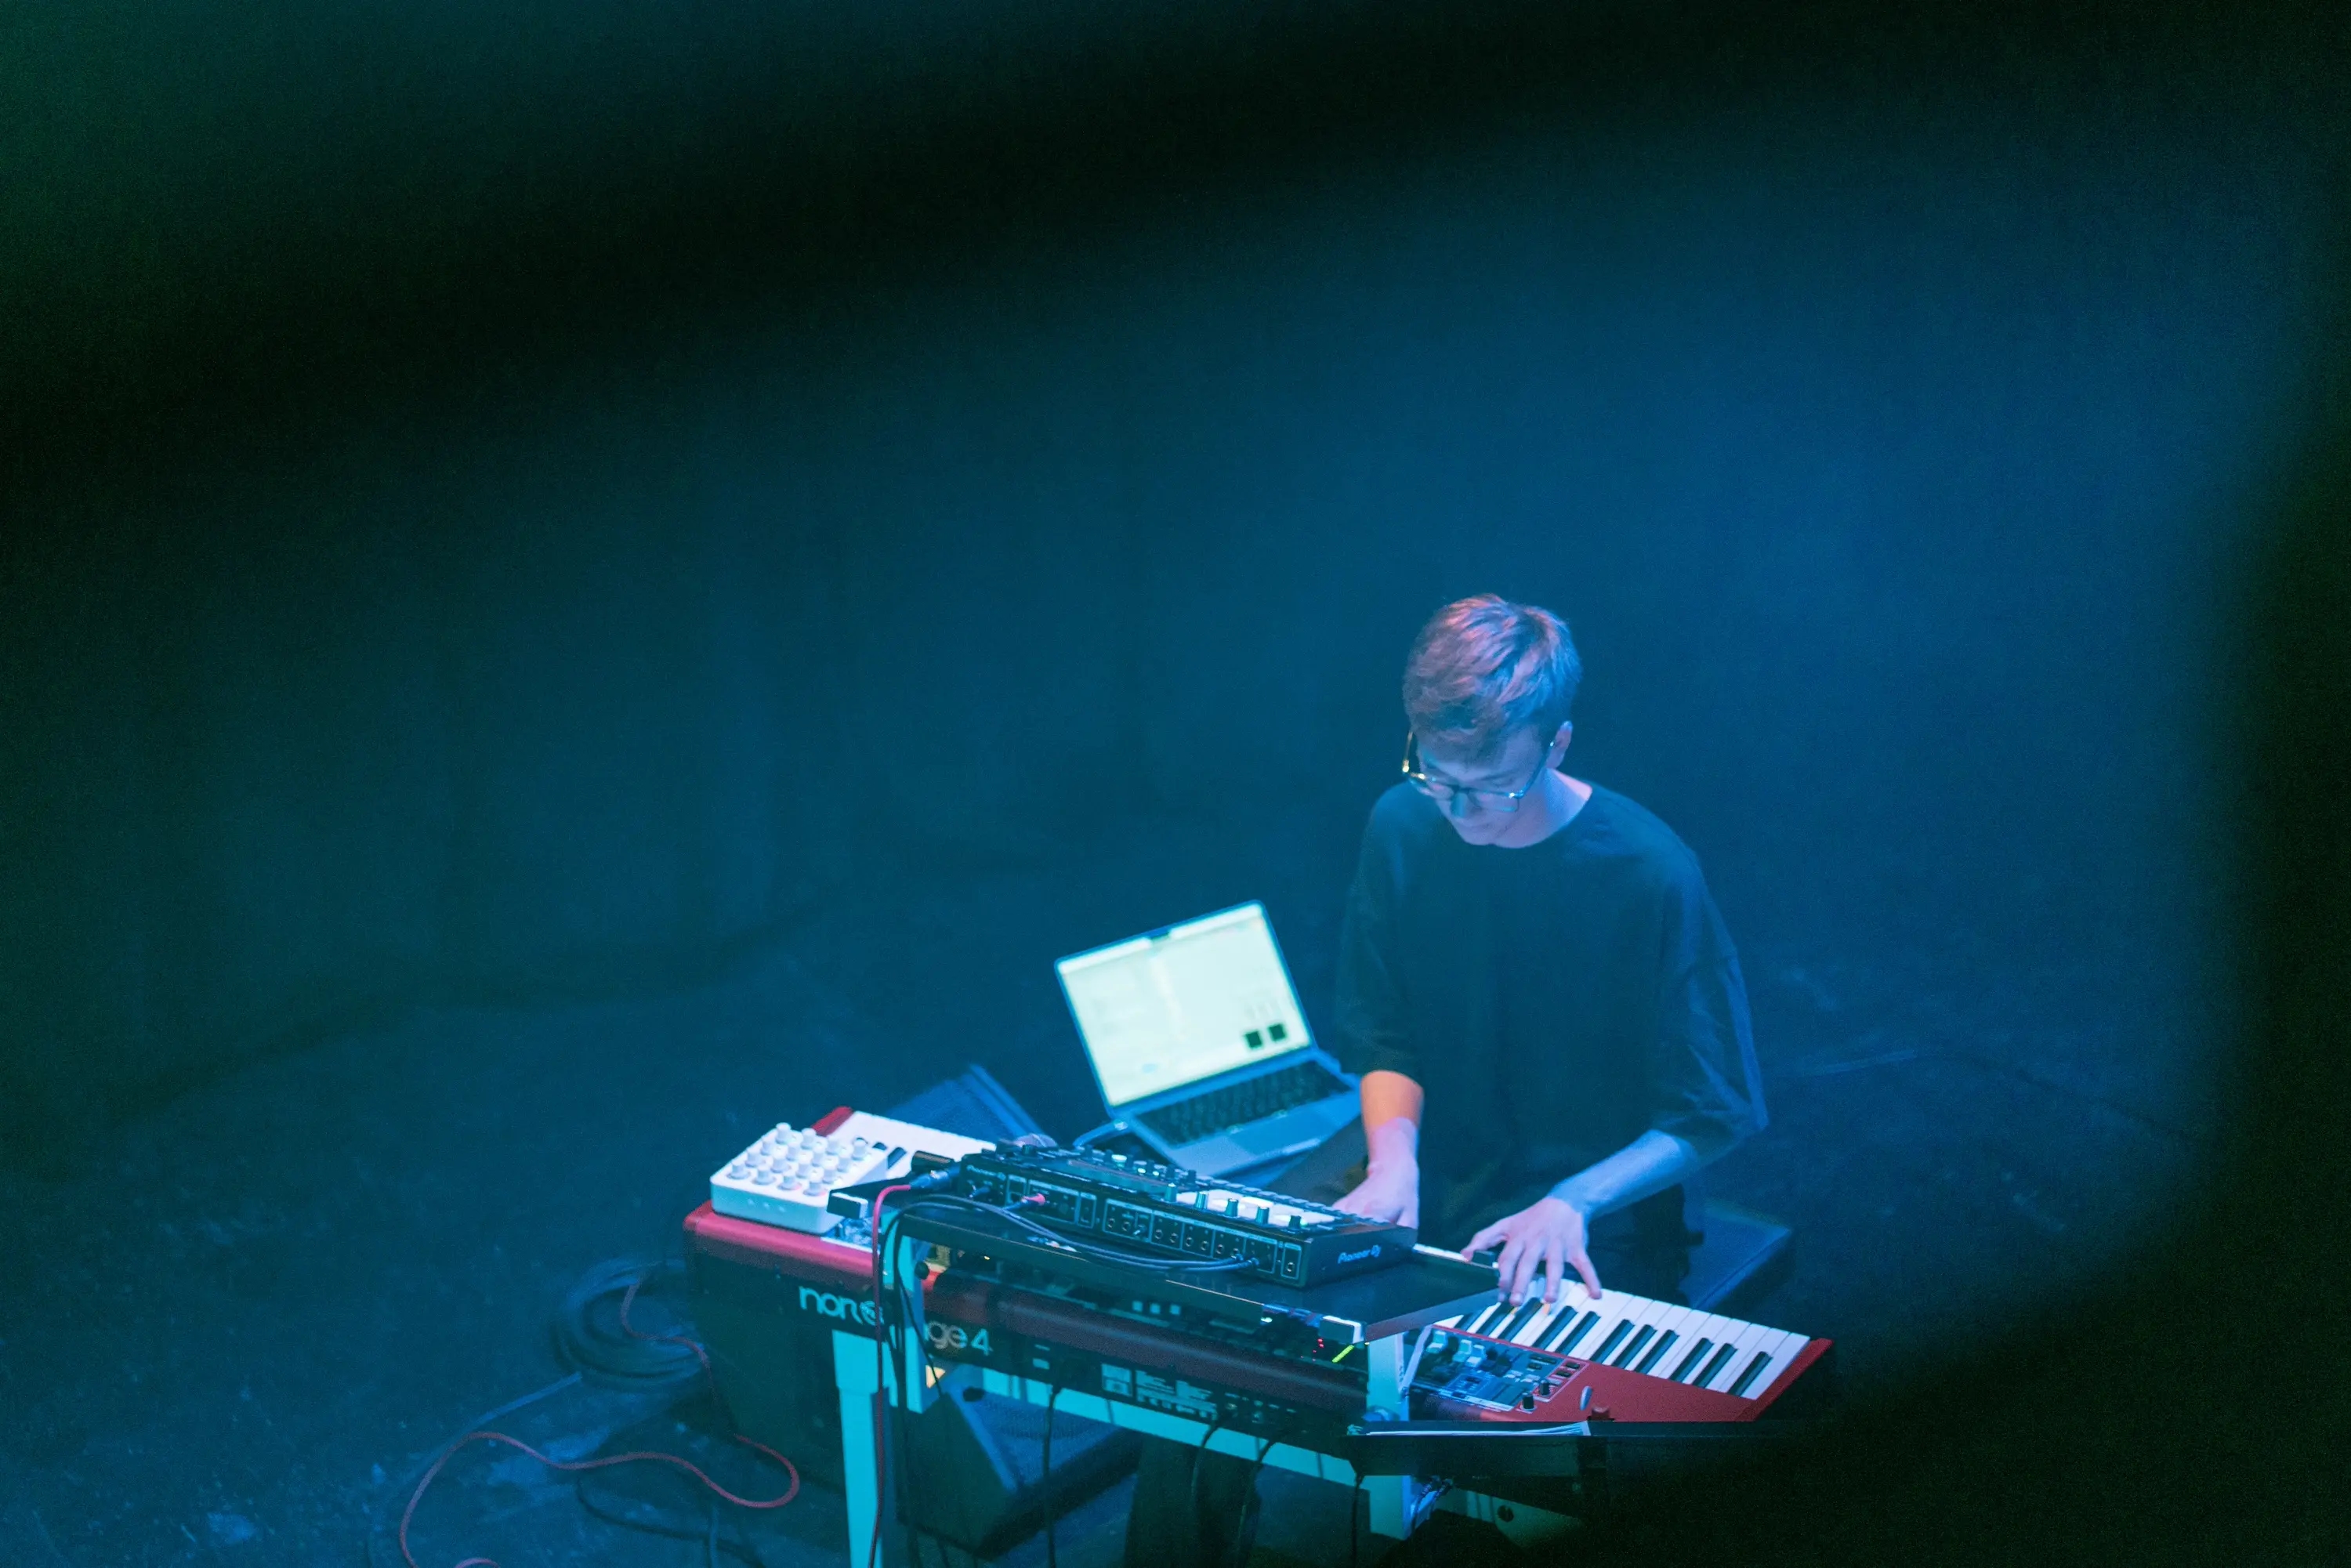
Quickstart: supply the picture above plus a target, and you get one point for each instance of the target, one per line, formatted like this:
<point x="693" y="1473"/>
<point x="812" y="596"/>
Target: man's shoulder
<point x="1617" y="827"/>
<point x="1402" y="815"/>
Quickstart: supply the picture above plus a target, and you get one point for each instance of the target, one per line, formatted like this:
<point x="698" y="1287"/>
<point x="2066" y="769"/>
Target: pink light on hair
<point x="1484" y="668"/>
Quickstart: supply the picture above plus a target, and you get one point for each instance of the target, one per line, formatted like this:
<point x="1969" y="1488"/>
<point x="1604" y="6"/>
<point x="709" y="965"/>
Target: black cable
<point x="1355" y="1500"/>
<point x="887" y="1351"/>
<point x="1241" y="1525"/>
<point x="907" y="1290"/>
<point x="1045" y="1480"/>
<point x="1192" y="1487"/>
<point x="881" y="1346"/>
<point x="595" y="1342"/>
<point x="886" y="1343"/>
<point x="889" y="1329"/>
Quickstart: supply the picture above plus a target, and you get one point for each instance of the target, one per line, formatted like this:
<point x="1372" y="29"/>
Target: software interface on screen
<point x="1163" y="1012"/>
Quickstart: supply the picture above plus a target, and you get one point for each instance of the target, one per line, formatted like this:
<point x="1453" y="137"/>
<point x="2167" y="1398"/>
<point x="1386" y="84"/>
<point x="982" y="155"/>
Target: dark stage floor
<point x="263" y="1305"/>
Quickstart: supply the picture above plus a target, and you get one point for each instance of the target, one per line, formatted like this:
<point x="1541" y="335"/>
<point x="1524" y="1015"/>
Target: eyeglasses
<point x="1445" y="791"/>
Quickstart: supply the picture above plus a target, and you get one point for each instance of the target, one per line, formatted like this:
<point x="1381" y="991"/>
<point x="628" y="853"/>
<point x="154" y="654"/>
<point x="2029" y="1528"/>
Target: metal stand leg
<point x="1397" y="1503"/>
<point x="865" y="1403"/>
<point x="861" y="1455"/>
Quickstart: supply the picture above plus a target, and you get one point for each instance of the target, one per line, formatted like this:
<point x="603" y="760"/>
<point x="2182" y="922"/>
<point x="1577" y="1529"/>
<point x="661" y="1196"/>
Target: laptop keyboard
<point x="1250" y="1100"/>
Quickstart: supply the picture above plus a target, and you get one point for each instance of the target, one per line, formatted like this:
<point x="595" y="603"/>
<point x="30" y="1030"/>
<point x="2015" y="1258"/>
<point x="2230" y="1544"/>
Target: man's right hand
<point x="1389" y="1192"/>
<point x="1391" y="1186"/>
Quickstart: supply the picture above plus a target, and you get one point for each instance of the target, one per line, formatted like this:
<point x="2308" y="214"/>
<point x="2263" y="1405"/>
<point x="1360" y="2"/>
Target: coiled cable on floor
<point x="595" y="1336"/>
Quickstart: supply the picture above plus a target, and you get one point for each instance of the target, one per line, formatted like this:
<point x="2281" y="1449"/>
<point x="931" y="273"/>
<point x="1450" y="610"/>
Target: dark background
<point x="573" y="577"/>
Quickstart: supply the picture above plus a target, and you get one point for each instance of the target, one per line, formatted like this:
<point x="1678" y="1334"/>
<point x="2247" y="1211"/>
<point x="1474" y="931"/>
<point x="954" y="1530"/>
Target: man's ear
<point x="1559" y="743"/>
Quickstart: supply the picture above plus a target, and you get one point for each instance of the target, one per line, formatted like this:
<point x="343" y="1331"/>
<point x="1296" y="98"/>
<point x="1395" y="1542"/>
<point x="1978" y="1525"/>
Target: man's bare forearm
<point x="1392" y="1106"/>
<point x="1649" y="1164"/>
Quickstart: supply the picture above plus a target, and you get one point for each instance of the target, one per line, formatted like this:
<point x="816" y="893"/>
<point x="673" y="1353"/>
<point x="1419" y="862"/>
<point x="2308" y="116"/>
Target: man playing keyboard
<point x="1534" y="983"/>
<point x="1544" y="1006"/>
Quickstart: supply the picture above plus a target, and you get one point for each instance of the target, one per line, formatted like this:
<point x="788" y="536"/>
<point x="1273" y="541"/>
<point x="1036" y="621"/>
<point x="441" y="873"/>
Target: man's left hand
<point x="1545" y="1238"/>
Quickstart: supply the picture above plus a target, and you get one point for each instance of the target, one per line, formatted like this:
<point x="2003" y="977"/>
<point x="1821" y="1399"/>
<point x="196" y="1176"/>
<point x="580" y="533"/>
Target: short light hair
<point x="1484" y="668"/>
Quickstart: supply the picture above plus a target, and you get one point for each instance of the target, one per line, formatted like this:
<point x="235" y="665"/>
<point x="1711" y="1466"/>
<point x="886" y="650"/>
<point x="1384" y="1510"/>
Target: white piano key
<point x="1577" y="1337"/>
<point x="1722" y="1331"/>
<point x="1615" y="1304"/>
<point x="1772" y="1343"/>
<point x="1644" y="1311"/>
<point x="1541" y="1323"/>
<point x="1687" y="1356"/>
<point x="1757" y="1376"/>
<point x="1507" y="1326"/>
<point x="1743" y="1345"/>
<point x="1486" y="1317"/>
<point x="1722" y="1366"/>
<point x="1669" y="1322"/>
<point x="1783" y="1357"/>
<point x="1637" y="1345"/>
<point x="1614" y="1331"/>
<point x="1571" y="1306"/>
<point x="1643" y="1314"/>
<point x="1668" y="1319"/>
<point x="1703" y="1327"/>
<point x="1784" y="1346"/>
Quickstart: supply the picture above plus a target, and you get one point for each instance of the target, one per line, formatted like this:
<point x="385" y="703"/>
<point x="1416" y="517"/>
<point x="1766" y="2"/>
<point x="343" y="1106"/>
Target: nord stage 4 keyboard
<point x="1137" y="1207"/>
<point x="1621" y="1357"/>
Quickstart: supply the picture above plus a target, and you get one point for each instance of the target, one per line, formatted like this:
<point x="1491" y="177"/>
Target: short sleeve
<point x="1710" y="1089"/>
<point x="1372" y="1022"/>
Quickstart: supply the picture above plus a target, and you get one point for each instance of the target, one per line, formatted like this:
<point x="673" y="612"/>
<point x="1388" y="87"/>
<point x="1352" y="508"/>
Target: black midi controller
<point x="1136" y="1207"/>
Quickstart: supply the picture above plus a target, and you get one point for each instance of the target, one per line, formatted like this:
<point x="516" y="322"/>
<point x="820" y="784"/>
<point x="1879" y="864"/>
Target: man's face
<point x="1472" y="816"/>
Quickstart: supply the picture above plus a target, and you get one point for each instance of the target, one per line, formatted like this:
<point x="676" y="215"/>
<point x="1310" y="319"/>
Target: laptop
<point x="1202" y="1051"/>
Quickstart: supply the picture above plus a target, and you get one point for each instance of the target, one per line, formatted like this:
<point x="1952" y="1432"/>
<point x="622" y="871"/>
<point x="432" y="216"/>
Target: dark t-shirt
<point x="1553" y="1002"/>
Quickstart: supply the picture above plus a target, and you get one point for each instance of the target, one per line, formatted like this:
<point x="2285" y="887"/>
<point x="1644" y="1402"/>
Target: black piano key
<point x="1478" y="1323"/>
<point x="1696" y="1358"/>
<point x="1748" y="1376"/>
<point x="1518" y="1320"/>
<point x="1616" y="1337"/>
<point x="1713" y="1369"/>
<point x="1568" y="1329"/>
<point x="1632" y="1349"/>
<point x="1656" y="1351"/>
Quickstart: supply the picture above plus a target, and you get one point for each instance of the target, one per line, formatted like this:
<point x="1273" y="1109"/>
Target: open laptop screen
<point x="1183" y="1004"/>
